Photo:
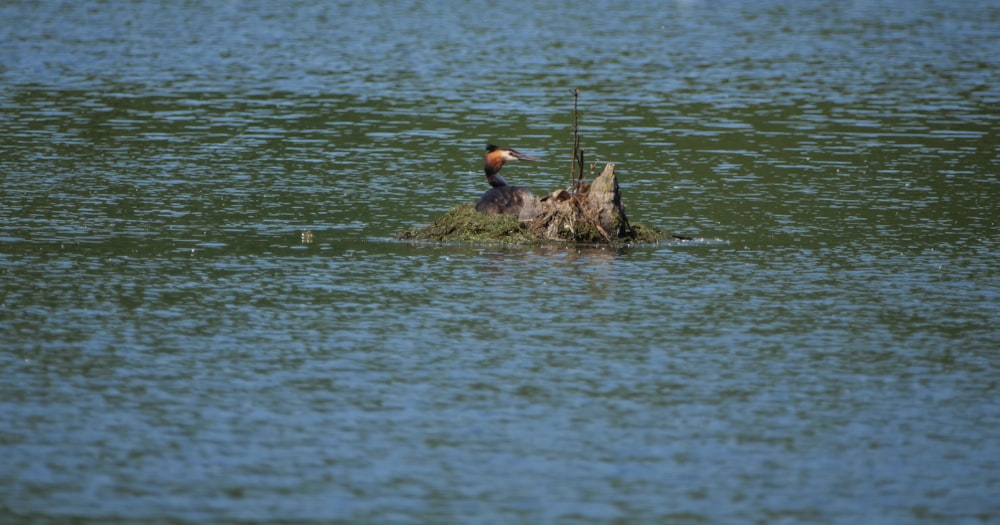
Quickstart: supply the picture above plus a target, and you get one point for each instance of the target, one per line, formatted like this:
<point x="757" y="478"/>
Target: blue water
<point x="823" y="351"/>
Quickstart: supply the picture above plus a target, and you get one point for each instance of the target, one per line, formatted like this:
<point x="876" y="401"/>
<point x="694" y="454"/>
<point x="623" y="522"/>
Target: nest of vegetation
<point x="585" y="213"/>
<point x="592" y="214"/>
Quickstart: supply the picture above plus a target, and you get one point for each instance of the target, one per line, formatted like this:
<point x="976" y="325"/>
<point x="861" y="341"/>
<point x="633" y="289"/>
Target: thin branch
<point x="576" y="165"/>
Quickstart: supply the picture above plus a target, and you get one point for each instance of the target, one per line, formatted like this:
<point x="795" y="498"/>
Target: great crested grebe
<point x="502" y="198"/>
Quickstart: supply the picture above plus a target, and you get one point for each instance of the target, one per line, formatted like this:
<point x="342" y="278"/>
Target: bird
<point x="502" y="198"/>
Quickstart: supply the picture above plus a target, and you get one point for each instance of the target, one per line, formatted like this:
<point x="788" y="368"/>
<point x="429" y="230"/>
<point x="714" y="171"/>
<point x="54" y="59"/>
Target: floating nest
<point x="594" y="213"/>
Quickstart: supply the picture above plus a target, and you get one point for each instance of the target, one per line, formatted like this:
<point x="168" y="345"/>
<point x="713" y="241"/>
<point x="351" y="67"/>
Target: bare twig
<point x="576" y="164"/>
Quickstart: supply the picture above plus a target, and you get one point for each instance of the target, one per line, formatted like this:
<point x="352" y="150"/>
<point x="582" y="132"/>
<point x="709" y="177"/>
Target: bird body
<point x="502" y="198"/>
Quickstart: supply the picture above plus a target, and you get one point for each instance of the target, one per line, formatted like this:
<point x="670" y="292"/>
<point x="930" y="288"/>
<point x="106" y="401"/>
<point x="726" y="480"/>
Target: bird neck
<point x="494" y="178"/>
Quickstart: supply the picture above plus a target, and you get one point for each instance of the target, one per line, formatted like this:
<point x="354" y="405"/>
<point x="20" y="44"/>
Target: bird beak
<point x="521" y="156"/>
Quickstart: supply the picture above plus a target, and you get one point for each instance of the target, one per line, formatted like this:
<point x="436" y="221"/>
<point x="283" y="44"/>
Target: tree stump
<point x="593" y="214"/>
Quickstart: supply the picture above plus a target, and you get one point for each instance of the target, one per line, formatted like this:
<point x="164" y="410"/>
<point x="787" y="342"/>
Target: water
<point x="825" y="351"/>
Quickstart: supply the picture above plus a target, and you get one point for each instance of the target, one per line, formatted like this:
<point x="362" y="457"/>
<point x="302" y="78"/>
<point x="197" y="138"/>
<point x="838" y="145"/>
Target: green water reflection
<point x="173" y="351"/>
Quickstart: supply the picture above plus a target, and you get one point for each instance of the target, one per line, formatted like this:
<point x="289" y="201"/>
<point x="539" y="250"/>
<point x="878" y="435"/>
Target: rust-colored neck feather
<point x="494" y="161"/>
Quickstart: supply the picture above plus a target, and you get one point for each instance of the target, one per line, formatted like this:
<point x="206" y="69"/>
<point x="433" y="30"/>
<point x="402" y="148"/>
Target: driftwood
<point x="594" y="213"/>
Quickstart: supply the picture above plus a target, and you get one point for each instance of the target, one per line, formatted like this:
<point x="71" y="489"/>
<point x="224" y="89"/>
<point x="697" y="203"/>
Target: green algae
<point x="463" y="223"/>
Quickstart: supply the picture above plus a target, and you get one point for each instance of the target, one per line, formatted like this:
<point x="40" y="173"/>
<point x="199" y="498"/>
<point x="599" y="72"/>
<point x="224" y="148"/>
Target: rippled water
<point x="825" y="351"/>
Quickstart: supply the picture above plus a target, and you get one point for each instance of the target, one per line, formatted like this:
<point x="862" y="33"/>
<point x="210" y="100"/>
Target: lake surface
<point x="826" y="349"/>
